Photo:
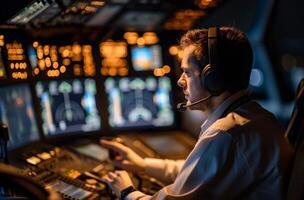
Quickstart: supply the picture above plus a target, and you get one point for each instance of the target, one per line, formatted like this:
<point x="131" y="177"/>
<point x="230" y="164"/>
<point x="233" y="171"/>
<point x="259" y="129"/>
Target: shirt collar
<point x="218" y="112"/>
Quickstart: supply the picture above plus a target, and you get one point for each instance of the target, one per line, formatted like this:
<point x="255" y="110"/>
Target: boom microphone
<point x="183" y="106"/>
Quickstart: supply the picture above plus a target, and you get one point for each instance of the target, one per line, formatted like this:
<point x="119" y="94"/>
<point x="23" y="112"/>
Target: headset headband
<point x="212" y="46"/>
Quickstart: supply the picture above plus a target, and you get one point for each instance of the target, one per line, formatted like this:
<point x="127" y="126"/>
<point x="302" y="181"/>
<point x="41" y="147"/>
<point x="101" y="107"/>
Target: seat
<point x="295" y="135"/>
<point x="293" y="132"/>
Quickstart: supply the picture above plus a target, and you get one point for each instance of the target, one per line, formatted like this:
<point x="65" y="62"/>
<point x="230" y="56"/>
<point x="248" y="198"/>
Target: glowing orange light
<point x="112" y="71"/>
<point x="65" y="53"/>
<point x="76" y="49"/>
<point x="173" y="50"/>
<point x="35" y="44"/>
<point x="123" y="71"/>
<point x="40" y="54"/>
<point x="90" y="9"/>
<point x="141" y="41"/>
<point x="132" y="40"/>
<point x="36" y="71"/>
<point x="66" y="61"/>
<point x="113" y="49"/>
<point x="54" y="58"/>
<point x="158" y="72"/>
<point x="46" y="50"/>
<point x="77" y="70"/>
<point x="41" y="64"/>
<point x="130" y="34"/>
<point x="150" y="38"/>
<point x="48" y="62"/>
<point x="55" y="65"/>
<point x="131" y="37"/>
<point x="155" y="72"/>
<point x="19" y="51"/>
<point x="89" y="70"/>
<point x="53" y="73"/>
<point x="97" y="3"/>
<point x="87" y="48"/>
<point x="104" y="71"/>
<point x="166" y="69"/>
<point x="62" y="69"/>
<point x="21" y="75"/>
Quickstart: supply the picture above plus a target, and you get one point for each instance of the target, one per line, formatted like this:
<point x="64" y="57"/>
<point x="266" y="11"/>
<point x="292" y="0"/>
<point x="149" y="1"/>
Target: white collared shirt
<point x="217" y="113"/>
<point x="240" y="156"/>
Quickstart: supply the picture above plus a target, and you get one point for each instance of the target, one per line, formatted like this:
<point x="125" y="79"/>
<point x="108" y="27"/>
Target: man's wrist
<point x="124" y="193"/>
<point x="142" y="166"/>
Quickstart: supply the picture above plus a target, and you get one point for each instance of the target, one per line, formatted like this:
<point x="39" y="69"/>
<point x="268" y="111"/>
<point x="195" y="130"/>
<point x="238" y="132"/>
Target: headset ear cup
<point x="207" y="69"/>
<point x="209" y="79"/>
<point x="212" y="81"/>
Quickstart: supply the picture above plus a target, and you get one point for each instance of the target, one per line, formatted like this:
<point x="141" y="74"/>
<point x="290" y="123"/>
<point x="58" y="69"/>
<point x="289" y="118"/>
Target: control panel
<point x="73" y="175"/>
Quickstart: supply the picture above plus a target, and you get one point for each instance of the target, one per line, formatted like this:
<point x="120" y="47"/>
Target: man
<point x="240" y="153"/>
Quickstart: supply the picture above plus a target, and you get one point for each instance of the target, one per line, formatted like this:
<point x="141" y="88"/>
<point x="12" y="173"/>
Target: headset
<point x="212" y="76"/>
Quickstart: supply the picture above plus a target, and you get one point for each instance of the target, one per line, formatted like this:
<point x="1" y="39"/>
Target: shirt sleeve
<point x="163" y="169"/>
<point x="137" y="195"/>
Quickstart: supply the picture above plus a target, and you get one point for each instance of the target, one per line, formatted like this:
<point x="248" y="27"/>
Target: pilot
<point x="240" y="153"/>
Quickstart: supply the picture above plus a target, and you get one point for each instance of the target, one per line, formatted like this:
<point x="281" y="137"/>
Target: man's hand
<point x="128" y="159"/>
<point x="118" y="180"/>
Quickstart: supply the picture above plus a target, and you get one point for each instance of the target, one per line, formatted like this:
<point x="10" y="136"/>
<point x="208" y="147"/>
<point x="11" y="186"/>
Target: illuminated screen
<point x="2" y="68"/>
<point x="139" y="102"/>
<point x="32" y="57"/>
<point x="16" y="110"/>
<point x="146" y="58"/>
<point x="68" y="106"/>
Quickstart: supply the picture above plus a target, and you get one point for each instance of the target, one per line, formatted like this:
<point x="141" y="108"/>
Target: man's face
<point x="190" y="79"/>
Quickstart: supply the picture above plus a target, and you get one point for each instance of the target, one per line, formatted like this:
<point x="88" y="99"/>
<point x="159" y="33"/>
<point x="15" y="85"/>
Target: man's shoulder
<point x="250" y="117"/>
<point x="229" y="122"/>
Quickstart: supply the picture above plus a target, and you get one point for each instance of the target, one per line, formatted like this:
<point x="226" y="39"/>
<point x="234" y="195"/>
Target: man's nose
<point x="181" y="82"/>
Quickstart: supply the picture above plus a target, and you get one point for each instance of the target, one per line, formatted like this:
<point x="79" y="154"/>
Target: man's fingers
<point x="112" y="175"/>
<point x="120" y="148"/>
<point x="107" y="179"/>
<point x="120" y="172"/>
<point x="124" y="164"/>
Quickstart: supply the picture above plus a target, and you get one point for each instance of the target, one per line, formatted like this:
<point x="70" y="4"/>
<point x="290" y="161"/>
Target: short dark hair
<point x="235" y="56"/>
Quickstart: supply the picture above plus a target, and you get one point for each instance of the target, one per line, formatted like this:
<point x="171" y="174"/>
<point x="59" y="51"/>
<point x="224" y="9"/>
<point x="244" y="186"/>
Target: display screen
<point x="2" y="68"/>
<point x="32" y="57"/>
<point x="68" y="106"/>
<point x="139" y="102"/>
<point x="146" y="58"/>
<point x="16" y="110"/>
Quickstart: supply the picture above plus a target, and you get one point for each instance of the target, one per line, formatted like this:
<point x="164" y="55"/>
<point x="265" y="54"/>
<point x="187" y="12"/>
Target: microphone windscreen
<point x="181" y="107"/>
